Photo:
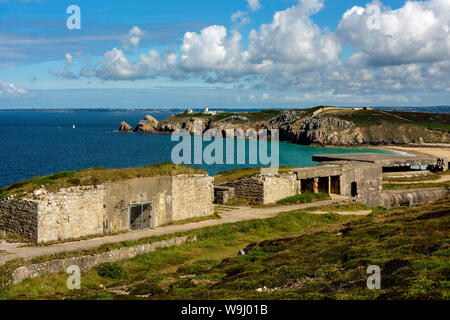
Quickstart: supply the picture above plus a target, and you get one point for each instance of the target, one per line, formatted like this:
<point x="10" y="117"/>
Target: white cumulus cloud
<point x="69" y="58"/>
<point x="116" y="66"/>
<point x="8" y="91"/>
<point x="407" y="51"/>
<point x="133" y="37"/>
<point x="293" y="38"/>
<point x="254" y="4"/>
<point x="416" y="32"/>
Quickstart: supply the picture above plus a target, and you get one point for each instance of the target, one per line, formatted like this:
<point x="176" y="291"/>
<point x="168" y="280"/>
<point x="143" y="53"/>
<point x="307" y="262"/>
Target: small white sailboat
<point x="73" y="127"/>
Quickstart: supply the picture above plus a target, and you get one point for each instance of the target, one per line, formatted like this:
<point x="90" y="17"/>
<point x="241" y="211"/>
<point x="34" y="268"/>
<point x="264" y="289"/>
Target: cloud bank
<point x="392" y="51"/>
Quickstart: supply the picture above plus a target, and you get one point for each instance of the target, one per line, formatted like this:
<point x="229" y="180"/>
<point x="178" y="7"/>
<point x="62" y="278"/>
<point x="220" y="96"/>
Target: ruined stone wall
<point x="192" y="196"/>
<point x="120" y="195"/>
<point x="71" y="213"/>
<point x="19" y="217"/>
<point x="279" y="187"/>
<point x="85" y="263"/>
<point x="410" y="198"/>
<point x="223" y="194"/>
<point x="368" y="178"/>
<point x="251" y="188"/>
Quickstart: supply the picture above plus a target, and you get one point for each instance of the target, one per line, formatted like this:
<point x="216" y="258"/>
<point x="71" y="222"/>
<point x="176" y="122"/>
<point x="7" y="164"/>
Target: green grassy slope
<point x="308" y="257"/>
<point x="365" y="118"/>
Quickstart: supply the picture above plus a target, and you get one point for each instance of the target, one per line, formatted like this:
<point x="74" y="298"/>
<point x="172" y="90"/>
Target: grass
<point x="435" y="125"/>
<point x="400" y="186"/>
<point x="431" y="176"/>
<point x="237" y="174"/>
<point x="94" y="176"/>
<point x="296" y="255"/>
<point x="367" y="118"/>
<point x="304" y="198"/>
<point x="214" y="244"/>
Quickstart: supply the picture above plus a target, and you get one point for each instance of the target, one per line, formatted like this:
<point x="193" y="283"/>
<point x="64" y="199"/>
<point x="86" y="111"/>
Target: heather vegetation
<point x="296" y="255"/>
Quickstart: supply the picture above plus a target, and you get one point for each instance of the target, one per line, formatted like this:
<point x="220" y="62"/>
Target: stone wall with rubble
<point x="85" y="263"/>
<point x="192" y="196"/>
<point x="266" y="189"/>
<point x="251" y="189"/>
<point x="19" y="217"/>
<point x="71" y="213"/>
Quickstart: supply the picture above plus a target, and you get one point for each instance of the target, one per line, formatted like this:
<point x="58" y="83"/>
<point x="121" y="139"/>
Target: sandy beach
<point x="442" y="152"/>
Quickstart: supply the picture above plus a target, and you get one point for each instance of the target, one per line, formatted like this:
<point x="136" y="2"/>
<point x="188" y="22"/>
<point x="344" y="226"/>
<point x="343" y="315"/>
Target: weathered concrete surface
<point x="85" y="263"/>
<point x="120" y="195"/>
<point x="411" y="198"/>
<point x="240" y="214"/>
<point x="368" y="180"/>
<point x="192" y="196"/>
<point x="406" y="174"/>
<point x="71" y="213"/>
<point x="277" y="187"/>
<point x="387" y="160"/>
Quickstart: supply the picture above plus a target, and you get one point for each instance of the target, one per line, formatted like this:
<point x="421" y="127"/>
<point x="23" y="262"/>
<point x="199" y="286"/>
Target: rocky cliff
<point x="148" y="126"/>
<point x="320" y="126"/>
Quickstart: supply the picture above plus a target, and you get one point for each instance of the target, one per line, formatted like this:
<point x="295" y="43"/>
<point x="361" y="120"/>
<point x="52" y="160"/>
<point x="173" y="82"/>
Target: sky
<point x="223" y="54"/>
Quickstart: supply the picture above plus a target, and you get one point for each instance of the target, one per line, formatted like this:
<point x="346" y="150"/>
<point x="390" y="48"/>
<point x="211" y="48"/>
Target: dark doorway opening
<point x="307" y="185"/>
<point x="323" y="184"/>
<point x="354" y="188"/>
<point x="141" y="215"/>
<point x="335" y="185"/>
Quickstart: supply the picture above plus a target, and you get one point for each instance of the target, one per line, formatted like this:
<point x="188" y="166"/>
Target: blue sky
<point x="237" y="54"/>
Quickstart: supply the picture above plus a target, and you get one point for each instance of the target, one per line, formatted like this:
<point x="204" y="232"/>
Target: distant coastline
<point x="427" y="109"/>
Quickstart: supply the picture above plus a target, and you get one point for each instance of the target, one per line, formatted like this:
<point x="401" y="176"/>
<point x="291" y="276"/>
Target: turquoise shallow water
<point x="31" y="144"/>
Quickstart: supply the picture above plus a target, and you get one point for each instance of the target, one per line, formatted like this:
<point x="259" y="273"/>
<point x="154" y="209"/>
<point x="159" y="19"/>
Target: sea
<point x="37" y="143"/>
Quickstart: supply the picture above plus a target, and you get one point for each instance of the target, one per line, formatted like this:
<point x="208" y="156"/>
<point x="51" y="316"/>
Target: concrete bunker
<point x="134" y="204"/>
<point x="334" y="177"/>
<point x="390" y="162"/>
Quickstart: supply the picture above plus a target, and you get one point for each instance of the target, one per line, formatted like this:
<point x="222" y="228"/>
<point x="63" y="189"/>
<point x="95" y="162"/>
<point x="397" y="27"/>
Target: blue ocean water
<point x="32" y="145"/>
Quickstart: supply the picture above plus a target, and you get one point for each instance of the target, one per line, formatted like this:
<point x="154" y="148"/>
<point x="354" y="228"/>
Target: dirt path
<point x="236" y="215"/>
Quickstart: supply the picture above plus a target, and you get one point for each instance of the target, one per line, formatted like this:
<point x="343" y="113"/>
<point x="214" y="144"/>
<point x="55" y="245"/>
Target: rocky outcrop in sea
<point x="125" y="127"/>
